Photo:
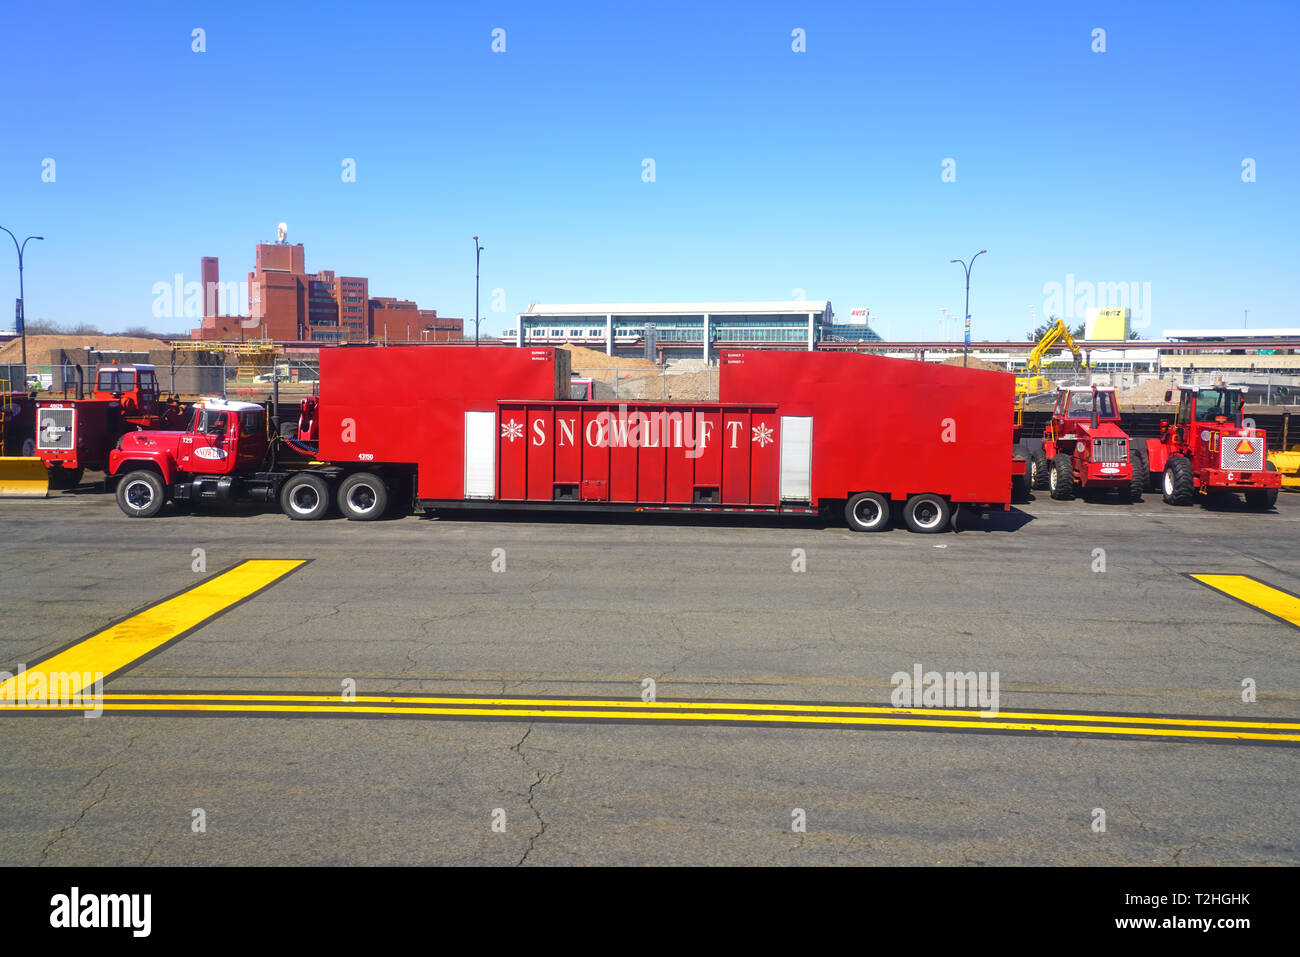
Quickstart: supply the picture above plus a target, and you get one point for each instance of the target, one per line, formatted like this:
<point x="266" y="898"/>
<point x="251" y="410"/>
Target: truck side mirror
<point x="1169" y="395"/>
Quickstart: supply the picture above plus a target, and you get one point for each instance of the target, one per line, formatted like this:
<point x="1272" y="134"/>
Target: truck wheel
<point x="927" y="513"/>
<point x="1038" y="469"/>
<point x="1178" y="488"/>
<point x="305" y="497"/>
<point x="61" y="478"/>
<point x="1265" y="498"/>
<point x="363" y="497"/>
<point x="1141" y="476"/>
<point x="141" y="494"/>
<point x="1061" y="478"/>
<point x="867" y="512"/>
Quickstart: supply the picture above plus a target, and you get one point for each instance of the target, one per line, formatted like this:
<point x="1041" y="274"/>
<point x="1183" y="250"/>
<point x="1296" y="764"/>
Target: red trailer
<point x="794" y="432"/>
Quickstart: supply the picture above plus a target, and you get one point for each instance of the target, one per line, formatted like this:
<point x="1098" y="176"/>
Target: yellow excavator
<point x="1033" y="382"/>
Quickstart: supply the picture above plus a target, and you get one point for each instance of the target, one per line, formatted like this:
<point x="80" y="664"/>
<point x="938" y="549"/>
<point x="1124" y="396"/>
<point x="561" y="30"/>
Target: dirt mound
<point x="596" y="365"/>
<point x="40" y="349"/>
<point x="973" y="363"/>
<point x="1151" y="392"/>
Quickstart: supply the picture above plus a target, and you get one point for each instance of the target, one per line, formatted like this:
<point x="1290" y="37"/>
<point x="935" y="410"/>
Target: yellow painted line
<point x="546" y="703"/>
<point x="117" y="646"/>
<point x="1249" y="591"/>
<point x="714" y="717"/>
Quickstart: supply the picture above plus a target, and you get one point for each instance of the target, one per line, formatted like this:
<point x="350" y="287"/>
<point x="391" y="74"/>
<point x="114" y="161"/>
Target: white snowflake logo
<point x="763" y="435"/>
<point x="512" y="430"/>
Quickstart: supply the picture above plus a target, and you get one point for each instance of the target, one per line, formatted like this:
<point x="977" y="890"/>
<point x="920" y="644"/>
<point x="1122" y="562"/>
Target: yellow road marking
<point x="1270" y="600"/>
<point x="117" y="646"/>
<point x="699" y="711"/>
<point x="758" y="706"/>
<point x="348" y="708"/>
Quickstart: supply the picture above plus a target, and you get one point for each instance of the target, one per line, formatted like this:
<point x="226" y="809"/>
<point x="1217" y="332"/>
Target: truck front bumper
<point x="1217" y="478"/>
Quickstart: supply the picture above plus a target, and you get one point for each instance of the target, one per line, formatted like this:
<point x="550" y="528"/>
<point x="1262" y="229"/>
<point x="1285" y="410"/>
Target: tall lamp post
<point x="478" y="251"/>
<point x="967" y="266"/>
<point x="21" y="314"/>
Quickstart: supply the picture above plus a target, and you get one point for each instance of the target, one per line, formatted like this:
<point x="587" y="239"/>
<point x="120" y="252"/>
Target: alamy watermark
<point x="952" y="689"/>
<point x="53" y="689"/>
<point x="1073" y="298"/>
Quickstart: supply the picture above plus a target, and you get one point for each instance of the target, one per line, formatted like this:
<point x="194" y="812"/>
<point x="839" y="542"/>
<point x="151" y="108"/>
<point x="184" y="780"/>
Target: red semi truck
<point x="459" y="427"/>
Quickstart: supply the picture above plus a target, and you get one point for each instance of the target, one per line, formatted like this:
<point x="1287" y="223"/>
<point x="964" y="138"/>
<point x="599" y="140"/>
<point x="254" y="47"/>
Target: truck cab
<point x="135" y="388"/>
<point x="221" y="439"/>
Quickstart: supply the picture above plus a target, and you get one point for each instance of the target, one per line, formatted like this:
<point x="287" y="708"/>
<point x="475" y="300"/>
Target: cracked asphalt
<point x="708" y="609"/>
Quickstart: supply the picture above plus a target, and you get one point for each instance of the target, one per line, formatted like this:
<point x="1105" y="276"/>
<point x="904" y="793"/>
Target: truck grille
<point x="1230" y="460"/>
<point x="1110" y="451"/>
<point x="54" y="429"/>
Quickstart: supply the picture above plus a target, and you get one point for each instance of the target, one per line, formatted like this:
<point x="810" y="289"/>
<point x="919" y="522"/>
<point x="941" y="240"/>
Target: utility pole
<point x="478" y="251"/>
<point x="20" y="313"/>
<point x="967" y="266"/>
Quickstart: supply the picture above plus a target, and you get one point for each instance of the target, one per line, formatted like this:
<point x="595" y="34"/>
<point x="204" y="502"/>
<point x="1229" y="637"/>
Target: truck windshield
<point x="208" y="422"/>
<point x="115" y="380"/>
<point x="1212" y="403"/>
<point x="1080" y="405"/>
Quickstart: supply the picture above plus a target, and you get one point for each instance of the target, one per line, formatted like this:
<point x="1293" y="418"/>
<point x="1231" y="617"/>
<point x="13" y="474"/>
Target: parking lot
<point x="514" y="688"/>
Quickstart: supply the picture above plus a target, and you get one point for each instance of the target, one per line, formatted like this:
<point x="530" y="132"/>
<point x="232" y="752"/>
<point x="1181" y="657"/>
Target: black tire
<point x="1141" y="475"/>
<point x="1038" y="469"/>
<point x="289" y="429"/>
<point x="1177" y="487"/>
<point x="1061" y="478"/>
<point x="1019" y="488"/>
<point x="141" y="494"/>
<point x="62" y="479"/>
<point x="363" y="497"/>
<point x="927" y="513"/>
<point x="1263" y="499"/>
<point x="867" y="512"/>
<point x="305" y="497"/>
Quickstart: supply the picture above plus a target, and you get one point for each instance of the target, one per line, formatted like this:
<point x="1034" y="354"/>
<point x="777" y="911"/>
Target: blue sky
<point x="774" y="170"/>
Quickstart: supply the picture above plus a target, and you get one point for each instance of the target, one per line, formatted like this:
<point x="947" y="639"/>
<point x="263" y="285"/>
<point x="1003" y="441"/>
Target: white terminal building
<point x="687" y="328"/>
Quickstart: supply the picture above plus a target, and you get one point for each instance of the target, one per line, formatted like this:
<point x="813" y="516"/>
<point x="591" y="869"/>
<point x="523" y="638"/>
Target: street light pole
<point x="967" y="266"/>
<point x="22" y="308"/>
<point x="478" y="250"/>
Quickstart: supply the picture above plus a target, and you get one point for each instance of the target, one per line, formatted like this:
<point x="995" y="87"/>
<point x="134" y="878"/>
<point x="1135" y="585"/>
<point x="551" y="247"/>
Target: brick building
<point x="402" y="319"/>
<point x="287" y="303"/>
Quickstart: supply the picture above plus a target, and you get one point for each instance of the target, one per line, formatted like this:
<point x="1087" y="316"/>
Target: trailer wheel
<point x="363" y="497"/>
<point x="141" y="494"/>
<point x="927" y="513"/>
<point x="1141" y="476"/>
<point x="1061" y="478"/>
<point x="1178" y="488"/>
<point x="1038" y="469"/>
<point x="61" y="478"/>
<point x="305" y="497"/>
<point x="867" y="512"/>
<point x="1265" y="498"/>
